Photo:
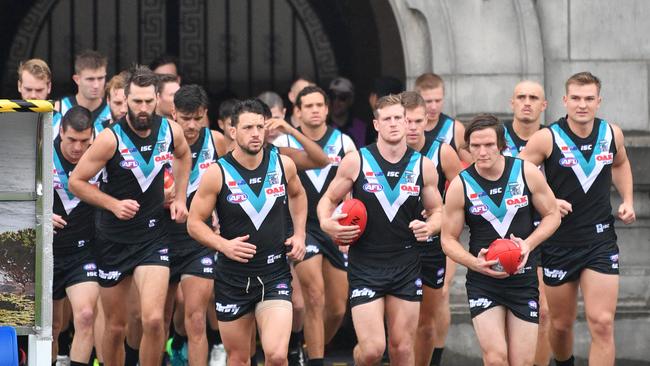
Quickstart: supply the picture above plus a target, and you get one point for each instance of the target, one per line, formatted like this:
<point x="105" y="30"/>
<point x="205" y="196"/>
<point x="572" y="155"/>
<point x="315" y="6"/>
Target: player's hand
<point x="525" y="250"/>
<point x="126" y="209"/>
<point x="626" y="213"/>
<point x="485" y="267"/>
<point x="277" y="124"/>
<point x="338" y="232"/>
<point x="215" y="224"/>
<point x="178" y="211"/>
<point x="564" y="207"/>
<point x="238" y="249"/>
<point x="58" y="222"/>
<point x="424" y="214"/>
<point x="296" y="246"/>
<point x="420" y="229"/>
<point x="170" y="194"/>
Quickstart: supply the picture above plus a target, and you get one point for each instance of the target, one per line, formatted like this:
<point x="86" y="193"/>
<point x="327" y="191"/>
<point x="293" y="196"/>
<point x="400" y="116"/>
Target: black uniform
<point x="488" y="221"/>
<point x="101" y="116"/>
<point x="188" y="257"/>
<point x="315" y="182"/>
<point x="579" y="171"/>
<point x="134" y="172"/>
<point x="252" y="202"/>
<point x="73" y="261"/>
<point x="444" y="131"/>
<point x="384" y="260"/>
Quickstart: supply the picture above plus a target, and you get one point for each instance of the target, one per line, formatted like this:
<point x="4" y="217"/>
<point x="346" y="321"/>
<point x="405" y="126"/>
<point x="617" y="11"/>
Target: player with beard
<point x="434" y="310"/>
<point x="384" y="272"/>
<point x="249" y="188"/>
<point x="132" y="244"/>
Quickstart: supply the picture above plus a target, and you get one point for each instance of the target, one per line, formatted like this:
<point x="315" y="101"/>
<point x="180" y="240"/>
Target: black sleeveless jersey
<point x="431" y="150"/>
<point x="579" y="171"/>
<point x="204" y="154"/>
<point x="254" y="202"/>
<point x="391" y="194"/>
<point x="136" y="172"/>
<point x="100" y="115"/>
<point x="514" y="143"/>
<point x="79" y="215"/>
<point x="496" y="209"/>
<point x="444" y="130"/>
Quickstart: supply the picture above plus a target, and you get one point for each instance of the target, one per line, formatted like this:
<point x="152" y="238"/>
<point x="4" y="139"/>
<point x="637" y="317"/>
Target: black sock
<point x="178" y="341"/>
<point x="64" y="342"/>
<point x="254" y="359"/>
<point x="437" y="356"/>
<point x="295" y="340"/>
<point x="315" y="362"/>
<point x="568" y="362"/>
<point x="212" y="337"/>
<point x="77" y="363"/>
<point x="131" y="356"/>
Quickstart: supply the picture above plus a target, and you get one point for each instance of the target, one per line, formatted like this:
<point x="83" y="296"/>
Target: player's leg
<point x="134" y="327"/>
<point x="115" y="313"/>
<point x="152" y="282"/>
<point x="197" y="292"/>
<point x="600" y="292"/>
<point x="273" y="324"/>
<point x="83" y="299"/>
<point x="336" y="298"/>
<point x="490" y="328"/>
<point x="426" y="330"/>
<point x="562" y="310"/>
<point x="543" y="349"/>
<point x="57" y="320"/>
<point x="310" y="273"/>
<point x="236" y="335"/>
<point x="297" y="323"/>
<point x="368" y="320"/>
<point x="522" y="338"/>
<point x="401" y="317"/>
<point x="99" y="327"/>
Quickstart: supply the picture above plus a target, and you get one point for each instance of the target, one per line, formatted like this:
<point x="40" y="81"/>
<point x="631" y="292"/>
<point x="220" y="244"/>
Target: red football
<point x="507" y="252"/>
<point x="357" y="215"/>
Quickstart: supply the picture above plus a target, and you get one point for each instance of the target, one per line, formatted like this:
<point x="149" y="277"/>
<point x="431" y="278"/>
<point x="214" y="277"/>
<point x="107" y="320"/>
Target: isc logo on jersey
<point x="373" y="187"/>
<point x="129" y="164"/>
<point x="605" y="158"/>
<point x="568" y="162"/>
<point x="237" y="197"/>
<point x="478" y="209"/>
<point x="517" y="202"/>
<point x="276" y="191"/>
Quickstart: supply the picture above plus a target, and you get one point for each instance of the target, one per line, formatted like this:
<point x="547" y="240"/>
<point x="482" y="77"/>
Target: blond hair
<point x="37" y="68"/>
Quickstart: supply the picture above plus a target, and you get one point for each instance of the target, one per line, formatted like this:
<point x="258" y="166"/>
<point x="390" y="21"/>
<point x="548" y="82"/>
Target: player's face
<point x="297" y="86"/>
<point x="582" y="102"/>
<point x="484" y="148"/>
<point x="528" y="102"/>
<point x="117" y="103"/>
<point x="74" y="143"/>
<point x="391" y="123"/>
<point x="191" y="122"/>
<point x="166" y="98"/>
<point x="91" y="82"/>
<point x="141" y="103"/>
<point x="313" y="111"/>
<point x="249" y="132"/>
<point x="416" y="120"/>
<point x="166" y="69"/>
<point x="434" y="99"/>
<point x="33" y="88"/>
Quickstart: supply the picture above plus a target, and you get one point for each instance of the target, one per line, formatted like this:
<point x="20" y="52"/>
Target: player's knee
<point x="495" y="357"/>
<point x="195" y="323"/>
<point x="562" y="324"/>
<point x="84" y="318"/>
<point x="601" y="325"/>
<point x="426" y="329"/>
<point x="276" y="357"/>
<point x="544" y="318"/>
<point x="400" y="350"/>
<point x="235" y="358"/>
<point x="314" y="297"/>
<point x="115" y="329"/>
<point x="372" y="352"/>
<point x="153" y="323"/>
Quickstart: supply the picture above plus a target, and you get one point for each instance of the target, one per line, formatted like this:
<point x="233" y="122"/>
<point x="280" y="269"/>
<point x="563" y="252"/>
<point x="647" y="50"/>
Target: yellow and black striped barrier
<point x="31" y="105"/>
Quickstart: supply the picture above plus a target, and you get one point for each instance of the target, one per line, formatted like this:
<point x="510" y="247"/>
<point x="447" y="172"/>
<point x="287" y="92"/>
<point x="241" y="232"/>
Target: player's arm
<point x="312" y="156"/>
<point x="92" y="161"/>
<point x="622" y="178"/>
<point x="202" y="208"/>
<point x="545" y="204"/>
<point x="297" y="209"/>
<point x="181" y="171"/>
<point x="431" y="201"/>
<point x="459" y="137"/>
<point x="220" y="143"/>
<point x="450" y="162"/>
<point x="340" y="186"/>
<point x="452" y="226"/>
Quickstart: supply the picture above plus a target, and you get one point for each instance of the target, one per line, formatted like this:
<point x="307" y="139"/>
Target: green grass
<point x="16" y="310"/>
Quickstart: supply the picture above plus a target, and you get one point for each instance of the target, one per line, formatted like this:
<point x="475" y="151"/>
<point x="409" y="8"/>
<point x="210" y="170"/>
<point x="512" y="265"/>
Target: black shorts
<point x="369" y="283"/>
<point x="71" y="269"/>
<point x="320" y="244"/>
<point x="523" y="301"/>
<point x="433" y="264"/>
<point x="195" y="260"/>
<point x="237" y="295"/>
<point x="117" y="260"/>
<point x="562" y="264"/>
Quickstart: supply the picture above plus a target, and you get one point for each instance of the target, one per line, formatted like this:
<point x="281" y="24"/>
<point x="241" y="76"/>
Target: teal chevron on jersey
<point x="132" y="151"/>
<point x="256" y="200"/>
<point x="206" y="154"/>
<point x="499" y="211"/>
<point x="511" y="148"/>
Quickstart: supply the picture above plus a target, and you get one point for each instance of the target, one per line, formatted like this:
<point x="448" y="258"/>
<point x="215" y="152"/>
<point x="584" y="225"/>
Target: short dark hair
<point x="225" y="108"/>
<point x="310" y="89"/>
<point x="141" y="76"/>
<point x="78" y="118"/>
<point x="411" y="100"/>
<point x="386" y="85"/>
<point x="164" y="79"/>
<point x="164" y="59"/>
<point x="247" y="106"/>
<point x="485" y="121"/>
<point x="583" y="78"/>
<point x="89" y="60"/>
<point x="190" y="98"/>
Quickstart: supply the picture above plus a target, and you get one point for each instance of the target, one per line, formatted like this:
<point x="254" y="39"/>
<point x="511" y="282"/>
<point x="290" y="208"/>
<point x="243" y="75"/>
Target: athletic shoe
<point x="296" y="357"/>
<point x="217" y="355"/>
<point x="177" y="357"/>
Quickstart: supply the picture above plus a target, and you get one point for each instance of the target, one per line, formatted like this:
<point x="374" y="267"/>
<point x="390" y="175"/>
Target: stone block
<point x="554" y="24"/>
